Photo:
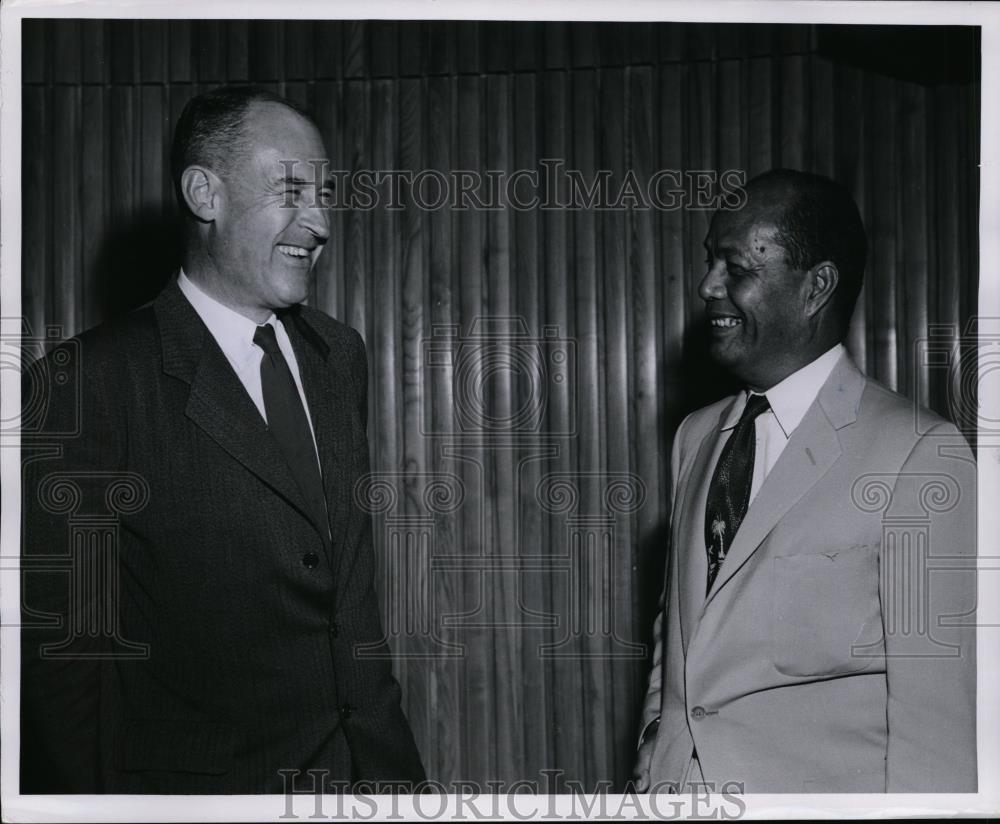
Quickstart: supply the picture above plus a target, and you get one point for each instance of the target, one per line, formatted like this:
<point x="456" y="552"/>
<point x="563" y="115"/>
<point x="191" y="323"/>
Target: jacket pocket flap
<point x="174" y="746"/>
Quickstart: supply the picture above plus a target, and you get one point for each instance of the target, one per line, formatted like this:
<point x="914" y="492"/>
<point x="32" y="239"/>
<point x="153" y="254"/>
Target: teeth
<point x="294" y="251"/>
<point x="725" y="323"/>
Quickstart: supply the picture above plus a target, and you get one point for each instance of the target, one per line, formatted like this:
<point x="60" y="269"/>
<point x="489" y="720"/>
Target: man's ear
<point x="202" y="191"/>
<point x="823" y="279"/>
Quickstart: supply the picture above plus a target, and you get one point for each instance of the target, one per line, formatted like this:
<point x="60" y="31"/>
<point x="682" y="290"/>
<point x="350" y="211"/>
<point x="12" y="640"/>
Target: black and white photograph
<point x="412" y="412"/>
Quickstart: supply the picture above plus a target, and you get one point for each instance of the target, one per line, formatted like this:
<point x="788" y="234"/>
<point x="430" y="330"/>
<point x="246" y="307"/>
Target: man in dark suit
<point x="223" y="636"/>
<point x="804" y="643"/>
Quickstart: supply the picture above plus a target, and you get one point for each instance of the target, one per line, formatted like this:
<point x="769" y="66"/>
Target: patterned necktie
<point x="286" y="418"/>
<point x="729" y="492"/>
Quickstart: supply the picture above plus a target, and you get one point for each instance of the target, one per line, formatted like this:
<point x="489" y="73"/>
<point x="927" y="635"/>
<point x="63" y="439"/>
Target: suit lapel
<point x="807" y="457"/>
<point x="694" y="563"/>
<point x="330" y="392"/>
<point x="813" y="448"/>
<point x="326" y="394"/>
<point x="218" y="402"/>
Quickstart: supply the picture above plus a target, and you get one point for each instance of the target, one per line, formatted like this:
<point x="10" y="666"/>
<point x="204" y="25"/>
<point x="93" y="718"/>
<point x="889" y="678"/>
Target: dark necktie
<point x="729" y="492"/>
<point x="286" y="418"/>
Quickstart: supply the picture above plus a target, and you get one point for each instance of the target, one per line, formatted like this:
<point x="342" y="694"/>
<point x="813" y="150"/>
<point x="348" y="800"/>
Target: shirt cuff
<point x="649" y="730"/>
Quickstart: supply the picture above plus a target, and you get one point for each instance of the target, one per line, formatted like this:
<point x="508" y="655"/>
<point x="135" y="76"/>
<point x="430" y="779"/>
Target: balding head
<point x="816" y="220"/>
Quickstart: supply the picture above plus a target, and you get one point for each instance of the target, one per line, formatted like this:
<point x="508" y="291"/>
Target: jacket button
<point x="334" y="629"/>
<point x="345" y="711"/>
<point x="310" y="560"/>
<point x="698" y="713"/>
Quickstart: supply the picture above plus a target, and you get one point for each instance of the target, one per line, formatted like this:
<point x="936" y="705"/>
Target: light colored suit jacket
<point x="835" y="651"/>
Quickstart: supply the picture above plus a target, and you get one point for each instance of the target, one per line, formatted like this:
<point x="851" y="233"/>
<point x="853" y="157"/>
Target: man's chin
<point x="294" y="289"/>
<point x="735" y="362"/>
<point x="725" y="355"/>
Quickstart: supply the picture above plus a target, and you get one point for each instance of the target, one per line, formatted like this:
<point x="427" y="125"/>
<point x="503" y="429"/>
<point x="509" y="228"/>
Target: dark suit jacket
<point x="263" y="644"/>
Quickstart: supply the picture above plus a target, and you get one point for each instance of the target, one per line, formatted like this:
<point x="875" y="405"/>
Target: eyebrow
<point x="721" y="250"/>
<point x="328" y="182"/>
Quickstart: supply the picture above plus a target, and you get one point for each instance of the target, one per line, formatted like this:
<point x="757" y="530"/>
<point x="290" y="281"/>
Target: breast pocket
<point x="825" y="616"/>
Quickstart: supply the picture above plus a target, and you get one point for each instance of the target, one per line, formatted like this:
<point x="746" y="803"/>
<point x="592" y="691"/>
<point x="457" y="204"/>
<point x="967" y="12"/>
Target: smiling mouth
<point x="297" y="252"/>
<point x="724" y="323"/>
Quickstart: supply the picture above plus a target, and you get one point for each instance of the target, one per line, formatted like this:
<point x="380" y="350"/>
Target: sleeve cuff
<point x="650" y="729"/>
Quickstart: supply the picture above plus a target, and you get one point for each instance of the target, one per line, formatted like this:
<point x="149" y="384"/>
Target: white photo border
<point x="522" y="807"/>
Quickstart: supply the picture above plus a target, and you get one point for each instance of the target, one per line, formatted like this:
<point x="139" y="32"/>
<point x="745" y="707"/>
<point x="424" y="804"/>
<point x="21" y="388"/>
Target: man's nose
<point x="712" y="286"/>
<point x="316" y="218"/>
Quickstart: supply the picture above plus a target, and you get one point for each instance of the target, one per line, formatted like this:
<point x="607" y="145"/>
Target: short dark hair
<point x="820" y="221"/>
<point x="210" y="131"/>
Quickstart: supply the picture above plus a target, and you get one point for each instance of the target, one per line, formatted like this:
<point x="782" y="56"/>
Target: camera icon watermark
<point x="505" y="380"/>
<point x="46" y="363"/>
<point x="961" y="361"/>
<point x="411" y="510"/>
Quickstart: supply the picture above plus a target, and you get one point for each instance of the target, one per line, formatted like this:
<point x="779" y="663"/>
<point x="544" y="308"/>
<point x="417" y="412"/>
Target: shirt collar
<point x="231" y="330"/>
<point x="791" y="399"/>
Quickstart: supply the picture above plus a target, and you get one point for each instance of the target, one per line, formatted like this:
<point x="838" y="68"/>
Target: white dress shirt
<point x="789" y="400"/>
<point x="234" y="334"/>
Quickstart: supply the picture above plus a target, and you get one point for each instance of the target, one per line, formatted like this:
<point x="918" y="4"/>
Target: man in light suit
<point x="816" y="632"/>
<point x="230" y="641"/>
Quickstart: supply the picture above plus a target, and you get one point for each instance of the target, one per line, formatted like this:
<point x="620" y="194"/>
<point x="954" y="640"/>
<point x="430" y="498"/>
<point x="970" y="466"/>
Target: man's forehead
<point x="736" y="231"/>
<point x="280" y="166"/>
<point x="275" y="128"/>
<point x="279" y="162"/>
<point x="765" y="204"/>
